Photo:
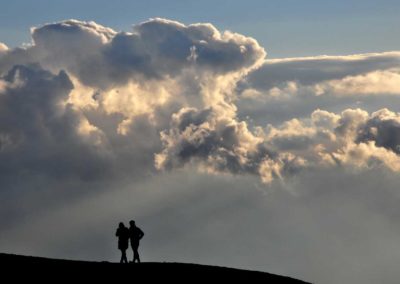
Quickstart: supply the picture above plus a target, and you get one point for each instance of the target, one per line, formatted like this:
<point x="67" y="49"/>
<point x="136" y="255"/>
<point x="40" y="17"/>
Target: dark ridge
<point x="59" y="270"/>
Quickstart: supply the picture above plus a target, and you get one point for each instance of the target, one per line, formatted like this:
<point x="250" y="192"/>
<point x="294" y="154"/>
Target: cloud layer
<point x="188" y="83"/>
<point x="85" y="109"/>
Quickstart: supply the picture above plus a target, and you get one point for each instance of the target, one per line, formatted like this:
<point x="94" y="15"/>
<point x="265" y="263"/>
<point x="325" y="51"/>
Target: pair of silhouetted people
<point x="124" y="234"/>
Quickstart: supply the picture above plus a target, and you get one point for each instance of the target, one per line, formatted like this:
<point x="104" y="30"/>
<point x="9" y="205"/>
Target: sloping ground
<point x="55" y="270"/>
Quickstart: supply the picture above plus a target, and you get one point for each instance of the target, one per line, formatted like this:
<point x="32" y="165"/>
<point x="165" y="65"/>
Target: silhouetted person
<point x="123" y="241"/>
<point x="135" y="234"/>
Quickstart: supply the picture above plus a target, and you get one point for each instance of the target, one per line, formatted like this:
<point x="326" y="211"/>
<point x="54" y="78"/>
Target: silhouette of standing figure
<point x="135" y="234"/>
<point x="123" y="241"/>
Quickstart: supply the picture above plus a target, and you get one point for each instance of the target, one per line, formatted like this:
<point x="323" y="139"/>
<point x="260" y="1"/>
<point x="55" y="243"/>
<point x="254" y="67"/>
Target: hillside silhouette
<point x="58" y="270"/>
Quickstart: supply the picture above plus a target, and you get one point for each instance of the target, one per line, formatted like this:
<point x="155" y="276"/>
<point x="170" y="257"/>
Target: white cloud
<point x="181" y="81"/>
<point x="372" y="83"/>
<point x="294" y="87"/>
<point x="155" y="49"/>
<point x="351" y="75"/>
<point x="3" y="48"/>
<point x="85" y="108"/>
<point x="308" y="71"/>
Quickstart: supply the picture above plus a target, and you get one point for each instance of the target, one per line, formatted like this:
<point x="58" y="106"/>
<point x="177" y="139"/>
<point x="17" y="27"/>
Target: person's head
<point x="132" y="223"/>
<point x="121" y="225"/>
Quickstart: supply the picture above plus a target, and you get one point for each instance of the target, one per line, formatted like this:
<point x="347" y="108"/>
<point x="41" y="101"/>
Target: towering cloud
<point x="86" y="110"/>
<point x="87" y="89"/>
<point x="155" y="49"/>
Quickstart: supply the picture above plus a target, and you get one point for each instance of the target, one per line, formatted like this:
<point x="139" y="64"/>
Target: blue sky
<point x="286" y="28"/>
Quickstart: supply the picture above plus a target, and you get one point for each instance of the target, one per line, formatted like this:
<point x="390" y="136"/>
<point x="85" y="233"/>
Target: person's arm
<point x="117" y="233"/>
<point x="141" y="234"/>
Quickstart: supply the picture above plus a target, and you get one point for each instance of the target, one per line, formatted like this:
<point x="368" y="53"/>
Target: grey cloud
<point x="383" y="128"/>
<point x="305" y="176"/>
<point x="221" y="144"/>
<point x="100" y="57"/>
<point x="335" y="219"/>
<point x="213" y="136"/>
<point x="155" y="49"/>
<point x="289" y="88"/>
<point x="311" y="70"/>
<point x="323" y="140"/>
<point x="50" y="143"/>
<point x="40" y="135"/>
<point x="278" y="110"/>
<point x="219" y="53"/>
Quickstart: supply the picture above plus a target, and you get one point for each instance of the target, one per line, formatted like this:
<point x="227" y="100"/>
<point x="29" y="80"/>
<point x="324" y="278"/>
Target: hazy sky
<point x="262" y="135"/>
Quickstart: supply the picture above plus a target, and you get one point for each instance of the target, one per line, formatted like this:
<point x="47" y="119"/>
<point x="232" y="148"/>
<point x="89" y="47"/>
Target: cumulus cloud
<point x="160" y="63"/>
<point x="351" y="138"/>
<point x="40" y="133"/>
<point x="83" y="106"/>
<point x="220" y="144"/>
<point x="341" y="139"/>
<point x="294" y="87"/>
<point x="85" y="109"/>
<point x="115" y="83"/>
<point x="187" y="82"/>
<point x="155" y="49"/>
<point x="383" y="129"/>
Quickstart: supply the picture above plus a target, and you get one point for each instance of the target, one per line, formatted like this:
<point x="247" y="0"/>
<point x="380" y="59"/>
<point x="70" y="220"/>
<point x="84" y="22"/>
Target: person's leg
<point x="136" y="253"/>
<point x="122" y="256"/>
<point x="124" y="259"/>
<point x="133" y="250"/>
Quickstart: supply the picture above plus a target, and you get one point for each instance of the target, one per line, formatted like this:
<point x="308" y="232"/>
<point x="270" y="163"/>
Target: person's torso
<point x="123" y="234"/>
<point x="134" y="233"/>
